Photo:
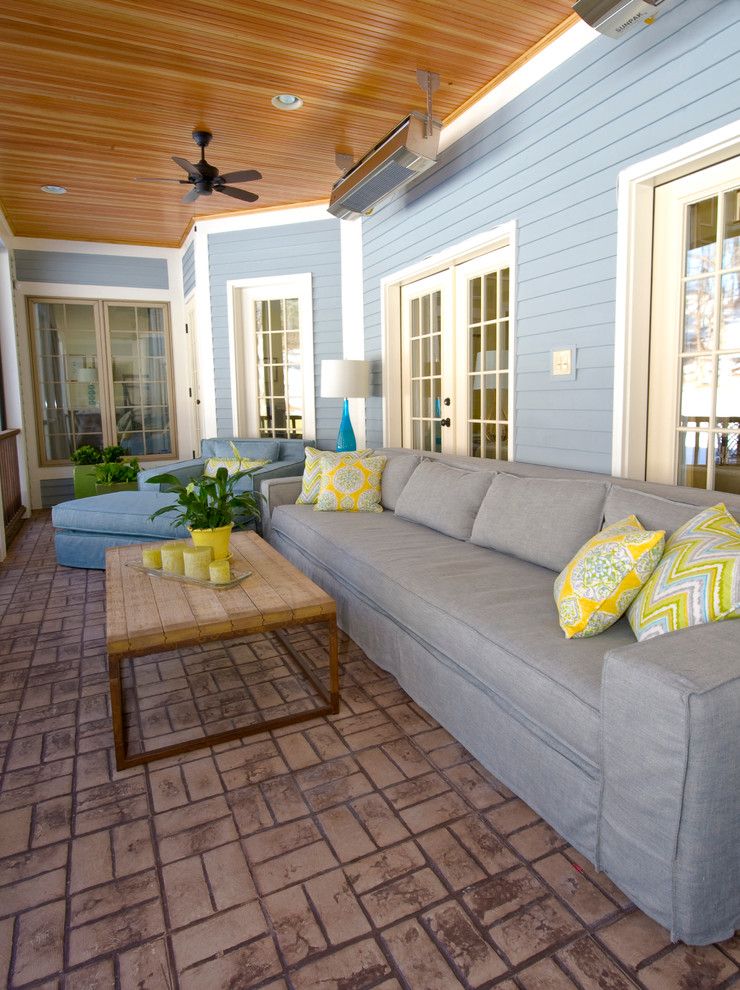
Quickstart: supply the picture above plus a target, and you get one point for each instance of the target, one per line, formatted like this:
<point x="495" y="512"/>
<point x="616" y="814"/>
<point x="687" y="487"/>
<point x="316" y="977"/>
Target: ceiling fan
<point x="206" y="179"/>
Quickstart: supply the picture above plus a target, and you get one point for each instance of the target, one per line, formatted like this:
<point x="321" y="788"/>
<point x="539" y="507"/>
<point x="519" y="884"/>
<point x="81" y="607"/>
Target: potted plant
<point x="86" y="459"/>
<point x="116" y="476"/>
<point x="210" y="508"/>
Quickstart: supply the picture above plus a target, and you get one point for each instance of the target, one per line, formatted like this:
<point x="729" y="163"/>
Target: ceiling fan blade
<point x="190" y="169"/>
<point x="191" y="196"/>
<point x="248" y="197"/>
<point x="246" y="175"/>
<point x="183" y="182"/>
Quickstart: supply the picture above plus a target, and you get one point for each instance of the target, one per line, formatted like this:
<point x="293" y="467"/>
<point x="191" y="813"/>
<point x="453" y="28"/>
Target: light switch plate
<point x="563" y="363"/>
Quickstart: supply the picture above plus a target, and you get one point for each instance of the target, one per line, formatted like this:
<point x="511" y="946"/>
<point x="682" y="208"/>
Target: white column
<point x="353" y="314"/>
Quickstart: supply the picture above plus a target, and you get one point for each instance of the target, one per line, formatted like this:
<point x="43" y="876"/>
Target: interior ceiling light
<point x="287" y="101"/>
<point x="54" y="190"/>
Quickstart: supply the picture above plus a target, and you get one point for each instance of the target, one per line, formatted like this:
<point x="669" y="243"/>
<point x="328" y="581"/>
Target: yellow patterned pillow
<point x="351" y="485"/>
<point x="312" y="471"/>
<point x="232" y="465"/>
<point x="597" y="587"/>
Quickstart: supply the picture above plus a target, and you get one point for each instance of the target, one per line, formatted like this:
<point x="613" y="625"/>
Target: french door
<point x="694" y="385"/>
<point x="455" y="359"/>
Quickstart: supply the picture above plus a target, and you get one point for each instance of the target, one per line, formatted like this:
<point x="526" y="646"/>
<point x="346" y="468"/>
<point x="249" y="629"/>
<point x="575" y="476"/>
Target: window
<point x="102" y="376"/>
<point x="273" y="357"/>
<point x="694" y="421"/>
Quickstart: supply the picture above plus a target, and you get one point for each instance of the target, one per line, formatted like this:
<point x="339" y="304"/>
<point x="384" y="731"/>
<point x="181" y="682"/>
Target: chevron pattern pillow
<point x="312" y="470"/>
<point x="697" y="581"/>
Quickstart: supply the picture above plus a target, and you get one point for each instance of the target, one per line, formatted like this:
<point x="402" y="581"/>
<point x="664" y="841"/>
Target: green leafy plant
<point x="117" y="473"/>
<point x="208" y="503"/>
<point x="113" y="454"/>
<point x="87" y="454"/>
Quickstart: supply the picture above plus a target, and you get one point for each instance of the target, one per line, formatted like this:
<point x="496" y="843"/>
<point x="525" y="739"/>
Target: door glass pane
<point x="490" y="402"/>
<point x="503" y="295"/>
<point x="426" y="356"/>
<point x="696" y="391"/>
<point x="701" y="245"/>
<point x="503" y="389"/>
<point x="279" y="367"/>
<point x="490" y="441"/>
<point x="731" y="234"/>
<point x="475" y="440"/>
<point x="475" y="349"/>
<point x="490" y="283"/>
<point x="491" y="337"/>
<point x="425" y="319"/>
<point x="68" y="379"/>
<point x="692" y="458"/>
<point x="503" y="441"/>
<point x="698" y="326"/>
<point x="475" y="300"/>
<point x="727" y="462"/>
<point x="140" y="378"/>
<point x="729" y="327"/>
<point x="728" y="391"/>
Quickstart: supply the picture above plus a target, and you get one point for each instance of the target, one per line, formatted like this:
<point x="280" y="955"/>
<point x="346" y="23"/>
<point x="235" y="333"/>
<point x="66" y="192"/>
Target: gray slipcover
<point x="443" y="497"/>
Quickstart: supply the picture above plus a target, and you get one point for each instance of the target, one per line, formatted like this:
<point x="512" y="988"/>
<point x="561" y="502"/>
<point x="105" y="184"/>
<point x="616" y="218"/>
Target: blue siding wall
<point x="288" y="249"/>
<point x="188" y="269"/>
<point x="549" y="160"/>
<point x="91" y="269"/>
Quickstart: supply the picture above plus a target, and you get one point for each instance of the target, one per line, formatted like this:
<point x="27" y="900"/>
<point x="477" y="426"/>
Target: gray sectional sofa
<point x="630" y="750"/>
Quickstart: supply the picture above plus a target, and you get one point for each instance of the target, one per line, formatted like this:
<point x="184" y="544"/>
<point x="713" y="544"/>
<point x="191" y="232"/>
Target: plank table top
<point x="146" y="613"/>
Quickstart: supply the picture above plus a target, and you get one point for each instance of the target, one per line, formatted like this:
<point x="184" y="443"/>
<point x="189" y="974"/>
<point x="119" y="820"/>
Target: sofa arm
<point x="669" y="821"/>
<point x="184" y="470"/>
<point x="278" y="491"/>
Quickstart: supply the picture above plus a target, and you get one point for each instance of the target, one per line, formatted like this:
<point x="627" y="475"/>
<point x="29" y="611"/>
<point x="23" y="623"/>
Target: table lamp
<point x="345" y="380"/>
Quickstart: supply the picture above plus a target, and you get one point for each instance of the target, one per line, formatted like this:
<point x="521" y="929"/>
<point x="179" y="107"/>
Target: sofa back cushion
<point x="542" y="520"/>
<point x="259" y="450"/>
<point x="443" y="498"/>
<point x="398" y="470"/>
<point x="653" y="511"/>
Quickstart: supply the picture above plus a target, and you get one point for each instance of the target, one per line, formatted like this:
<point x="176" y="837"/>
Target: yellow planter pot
<point x="217" y="539"/>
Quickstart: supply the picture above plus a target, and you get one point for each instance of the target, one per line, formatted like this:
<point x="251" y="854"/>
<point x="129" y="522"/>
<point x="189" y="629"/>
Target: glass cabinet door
<point x="68" y="397"/>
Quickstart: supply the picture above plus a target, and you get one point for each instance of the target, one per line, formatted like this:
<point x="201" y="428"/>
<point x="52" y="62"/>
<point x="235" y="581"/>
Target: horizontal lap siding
<point x="68" y="268"/>
<point x="289" y="249"/>
<point x="550" y="160"/>
<point x="188" y="269"/>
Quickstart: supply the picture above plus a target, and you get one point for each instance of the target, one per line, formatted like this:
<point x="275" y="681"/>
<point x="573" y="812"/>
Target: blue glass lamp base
<point x="346" y="436"/>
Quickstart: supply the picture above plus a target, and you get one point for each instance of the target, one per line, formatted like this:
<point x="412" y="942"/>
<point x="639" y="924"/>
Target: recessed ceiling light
<point x="287" y="101"/>
<point x="54" y="190"/>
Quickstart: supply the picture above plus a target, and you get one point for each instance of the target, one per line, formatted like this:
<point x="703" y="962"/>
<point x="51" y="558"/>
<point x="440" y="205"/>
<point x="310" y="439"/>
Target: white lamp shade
<point x="345" y="379"/>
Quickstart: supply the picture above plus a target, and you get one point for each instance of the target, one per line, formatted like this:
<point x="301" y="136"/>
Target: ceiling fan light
<point x="287" y="101"/>
<point x="54" y="190"/>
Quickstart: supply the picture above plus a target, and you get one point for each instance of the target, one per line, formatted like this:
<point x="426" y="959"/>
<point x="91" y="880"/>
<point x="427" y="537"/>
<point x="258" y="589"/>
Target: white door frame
<point x="634" y="286"/>
<point x="504" y="235"/>
<point x="242" y="368"/>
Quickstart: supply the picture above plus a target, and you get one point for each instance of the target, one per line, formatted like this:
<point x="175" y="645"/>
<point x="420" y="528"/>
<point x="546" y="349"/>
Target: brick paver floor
<point x="369" y="850"/>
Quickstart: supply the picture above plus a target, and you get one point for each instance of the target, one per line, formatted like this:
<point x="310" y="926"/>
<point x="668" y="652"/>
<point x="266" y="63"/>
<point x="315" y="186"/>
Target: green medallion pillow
<point x="312" y="471"/>
<point x="351" y="485"/>
<point x="697" y="581"/>
<point x="597" y="586"/>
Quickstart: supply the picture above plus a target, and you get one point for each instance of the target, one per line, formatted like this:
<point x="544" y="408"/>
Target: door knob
<point x="447" y="402"/>
<point x="445" y="422"/>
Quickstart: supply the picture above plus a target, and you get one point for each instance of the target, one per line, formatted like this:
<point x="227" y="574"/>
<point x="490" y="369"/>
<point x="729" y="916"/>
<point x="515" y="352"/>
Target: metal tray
<point x="237" y="578"/>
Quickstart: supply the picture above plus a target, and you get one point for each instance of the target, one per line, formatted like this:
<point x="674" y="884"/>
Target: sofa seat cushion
<point x="119" y="512"/>
<point x="490" y="615"/>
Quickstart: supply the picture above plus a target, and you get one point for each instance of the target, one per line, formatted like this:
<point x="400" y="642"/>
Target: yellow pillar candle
<point x="151" y="557"/>
<point x="172" y="560"/>
<point x="196" y="561"/>
<point x="220" y="571"/>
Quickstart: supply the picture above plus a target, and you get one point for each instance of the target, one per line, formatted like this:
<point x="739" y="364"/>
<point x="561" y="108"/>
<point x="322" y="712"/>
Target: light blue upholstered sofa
<point x="85" y="528"/>
<point x="630" y="750"/>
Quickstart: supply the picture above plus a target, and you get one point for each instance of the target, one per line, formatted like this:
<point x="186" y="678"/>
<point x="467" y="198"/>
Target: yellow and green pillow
<point x="232" y="464"/>
<point x="351" y="484"/>
<point x="313" y="467"/>
<point x="599" y="584"/>
<point x="697" y="581"/>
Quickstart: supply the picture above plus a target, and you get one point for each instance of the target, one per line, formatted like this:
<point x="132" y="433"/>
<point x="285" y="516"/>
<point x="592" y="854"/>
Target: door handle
<point x="445" y="422"/>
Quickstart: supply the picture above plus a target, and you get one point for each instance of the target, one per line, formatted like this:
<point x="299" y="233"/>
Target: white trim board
<point x="634" y="285"/>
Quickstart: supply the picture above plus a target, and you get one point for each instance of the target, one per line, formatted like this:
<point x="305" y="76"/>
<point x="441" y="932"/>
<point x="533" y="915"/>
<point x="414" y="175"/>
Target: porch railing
<point x="10" y="483"/>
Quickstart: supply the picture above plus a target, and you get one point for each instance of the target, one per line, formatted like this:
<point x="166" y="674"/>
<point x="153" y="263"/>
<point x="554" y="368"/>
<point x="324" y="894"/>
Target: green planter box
<point x="83" y="477"/>
<point x="126" y="486"/>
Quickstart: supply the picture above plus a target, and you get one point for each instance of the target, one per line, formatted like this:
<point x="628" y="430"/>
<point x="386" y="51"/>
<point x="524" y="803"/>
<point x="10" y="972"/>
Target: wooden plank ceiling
<point x="95" y="92"/>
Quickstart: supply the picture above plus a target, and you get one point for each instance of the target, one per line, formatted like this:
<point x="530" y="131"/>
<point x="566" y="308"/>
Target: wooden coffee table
<point x="147" y="614"/>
